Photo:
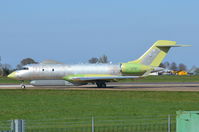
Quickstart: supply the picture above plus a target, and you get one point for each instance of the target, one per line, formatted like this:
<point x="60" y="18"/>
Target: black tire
<point x="103" y="85"/>
<point x="23" y="86"/>
<point x="99" y="85"/>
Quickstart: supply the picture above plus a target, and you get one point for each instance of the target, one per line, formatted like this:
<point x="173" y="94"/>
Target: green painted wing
<point x="96" y="77"/>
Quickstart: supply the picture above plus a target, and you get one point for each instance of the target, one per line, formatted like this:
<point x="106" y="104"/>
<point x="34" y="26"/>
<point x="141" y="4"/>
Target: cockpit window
<point x="25" y="68"/>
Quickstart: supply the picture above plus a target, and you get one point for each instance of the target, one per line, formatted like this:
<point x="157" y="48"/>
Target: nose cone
<point x="12" y="75"/>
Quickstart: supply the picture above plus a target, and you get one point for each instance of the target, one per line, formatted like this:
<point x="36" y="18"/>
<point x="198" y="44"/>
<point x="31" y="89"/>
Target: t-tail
<point x="150" y="60"/>
<point x="155" y="55"/>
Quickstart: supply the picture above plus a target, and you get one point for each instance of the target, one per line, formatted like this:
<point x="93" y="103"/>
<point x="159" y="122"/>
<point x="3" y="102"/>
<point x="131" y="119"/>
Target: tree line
<point x="174" y="66"/>
<point x="102" y="59"/>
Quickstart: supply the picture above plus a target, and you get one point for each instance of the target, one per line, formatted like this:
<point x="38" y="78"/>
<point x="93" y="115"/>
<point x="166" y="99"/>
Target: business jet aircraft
<point x="51" y="73"/>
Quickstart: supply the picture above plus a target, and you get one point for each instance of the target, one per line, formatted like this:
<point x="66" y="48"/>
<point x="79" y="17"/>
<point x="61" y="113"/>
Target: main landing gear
<point x="101" y="84"/>
<point x="23" y="86"/>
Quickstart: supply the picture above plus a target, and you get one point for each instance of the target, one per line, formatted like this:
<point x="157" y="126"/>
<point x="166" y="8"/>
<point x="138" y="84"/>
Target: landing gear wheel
<point x="23" y="86"/>
<point x="101" y="84"/>
<point x="98" y="85"/>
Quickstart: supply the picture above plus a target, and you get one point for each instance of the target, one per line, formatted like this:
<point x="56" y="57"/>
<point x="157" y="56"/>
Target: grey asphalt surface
<point x="120" y="87"/>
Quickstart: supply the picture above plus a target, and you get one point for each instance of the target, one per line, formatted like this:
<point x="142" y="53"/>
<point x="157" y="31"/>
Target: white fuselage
<point x="58" y="71"/>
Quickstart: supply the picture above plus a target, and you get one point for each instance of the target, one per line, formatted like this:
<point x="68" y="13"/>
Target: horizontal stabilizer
<point x="173" y="45"/>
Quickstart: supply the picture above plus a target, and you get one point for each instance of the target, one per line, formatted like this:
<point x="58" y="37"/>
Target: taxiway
<point x="121" y="87"/>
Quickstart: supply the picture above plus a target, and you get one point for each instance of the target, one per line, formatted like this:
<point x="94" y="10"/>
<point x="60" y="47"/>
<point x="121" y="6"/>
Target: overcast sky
<point x="73" y="31"/>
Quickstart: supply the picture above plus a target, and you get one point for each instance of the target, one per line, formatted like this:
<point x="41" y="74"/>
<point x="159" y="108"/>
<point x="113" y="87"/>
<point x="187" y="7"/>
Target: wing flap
<point x="96" y="77"/>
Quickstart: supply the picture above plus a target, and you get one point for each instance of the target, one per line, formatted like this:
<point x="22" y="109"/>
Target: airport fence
<point x="153" y="123"/>
<point x="5" y="126"/>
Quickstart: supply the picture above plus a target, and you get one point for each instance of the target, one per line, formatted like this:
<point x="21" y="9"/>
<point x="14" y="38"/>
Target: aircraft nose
<point x="12" y="75"/>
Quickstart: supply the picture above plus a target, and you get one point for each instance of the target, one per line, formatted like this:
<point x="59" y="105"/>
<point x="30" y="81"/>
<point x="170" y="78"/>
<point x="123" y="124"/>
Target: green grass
<point x="48" y="104"/>
<point x="5" y="80"/>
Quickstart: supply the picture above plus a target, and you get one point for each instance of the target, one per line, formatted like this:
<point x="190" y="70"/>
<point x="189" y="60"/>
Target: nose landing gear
<point x="23" y="86"/>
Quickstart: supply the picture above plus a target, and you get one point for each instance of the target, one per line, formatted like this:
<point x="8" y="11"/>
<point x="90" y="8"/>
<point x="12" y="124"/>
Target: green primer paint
<point x="134" y="69"/>
<point x="71" y="77"/>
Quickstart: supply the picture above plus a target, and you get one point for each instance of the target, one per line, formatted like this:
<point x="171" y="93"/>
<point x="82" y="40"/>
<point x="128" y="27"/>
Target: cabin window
<point x="42" y="69"/>
<point x="53" y="69"/>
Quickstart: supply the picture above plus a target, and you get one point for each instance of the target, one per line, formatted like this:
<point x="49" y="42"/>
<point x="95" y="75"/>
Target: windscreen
<point x="23" y="68"/>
